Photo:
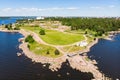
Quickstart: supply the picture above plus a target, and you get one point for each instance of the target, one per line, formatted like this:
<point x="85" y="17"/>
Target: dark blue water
<point x="7" y="21"/>
<point x="22" y="68"/>
<point x="107" y="54"/>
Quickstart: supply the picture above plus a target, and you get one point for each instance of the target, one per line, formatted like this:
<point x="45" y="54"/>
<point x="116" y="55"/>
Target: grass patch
<point x="72" y="48"/>
<point x="43" y="50"/>
<point x="56" y="37"/>
<point x="87" y="59"/>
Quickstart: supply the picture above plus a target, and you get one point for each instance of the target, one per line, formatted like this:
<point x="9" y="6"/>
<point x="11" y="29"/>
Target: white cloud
<point x="73" y="8"/>
<point x="36" y="9"/>
<point x="101" y="7"/>
<point x="96" y="7"/>
<point x="111" y="6"/>
<point x="6" y="9"/>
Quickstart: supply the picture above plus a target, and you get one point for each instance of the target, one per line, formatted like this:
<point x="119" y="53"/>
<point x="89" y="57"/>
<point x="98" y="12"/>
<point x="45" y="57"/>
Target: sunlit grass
<point x="43" y="50"/>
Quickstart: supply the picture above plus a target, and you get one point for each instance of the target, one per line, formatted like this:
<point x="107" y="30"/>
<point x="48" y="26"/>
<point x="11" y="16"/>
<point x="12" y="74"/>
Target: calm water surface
<point x="107" y="54"/>
<point x="21" y="68"/>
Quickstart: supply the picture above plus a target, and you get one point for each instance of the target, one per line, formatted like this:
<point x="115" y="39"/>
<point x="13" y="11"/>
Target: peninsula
<point x="55" y="40"/>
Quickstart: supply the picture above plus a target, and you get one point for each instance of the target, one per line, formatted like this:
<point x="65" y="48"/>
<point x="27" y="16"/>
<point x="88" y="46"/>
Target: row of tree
<point x="11" y="27"/>
<point x="99" y="25"/>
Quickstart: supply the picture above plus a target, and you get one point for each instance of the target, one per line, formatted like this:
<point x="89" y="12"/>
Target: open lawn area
<point x="57" y="38"/>
<point x="43" y="50"/>
<point x="61" y="38"/>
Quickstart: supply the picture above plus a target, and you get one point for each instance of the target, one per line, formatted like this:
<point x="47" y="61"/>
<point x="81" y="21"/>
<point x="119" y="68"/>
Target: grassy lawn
<point x="56" y="37"/>
<point x="30" y="28"/>
<point x="72" y="48"/>
<point x="43" y="50"/>
<point x="60" y="38"/>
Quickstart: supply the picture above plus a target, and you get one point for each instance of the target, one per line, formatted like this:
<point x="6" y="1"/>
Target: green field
<point x="56" y="37"/>
<point x="61" y="38"/>
<point x="43" y="50"/>
<point x="72" y="49"/>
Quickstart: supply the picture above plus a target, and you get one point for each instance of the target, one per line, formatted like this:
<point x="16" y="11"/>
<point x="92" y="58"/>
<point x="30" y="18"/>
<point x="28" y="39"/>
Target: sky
<point x="97" y="8"/>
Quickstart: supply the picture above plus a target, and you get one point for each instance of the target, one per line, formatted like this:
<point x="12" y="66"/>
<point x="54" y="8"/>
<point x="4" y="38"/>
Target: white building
<point x="40" y="17"/>
<point x="82" y="43"/>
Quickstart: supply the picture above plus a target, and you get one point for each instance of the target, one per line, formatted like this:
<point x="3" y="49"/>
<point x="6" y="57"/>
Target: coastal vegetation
<point x="44" y="50"/>
<point x="29" y="39"/>
<point x="41" y="49"/>
<point x="9" y="26"/>
<point x="12" y="27"/>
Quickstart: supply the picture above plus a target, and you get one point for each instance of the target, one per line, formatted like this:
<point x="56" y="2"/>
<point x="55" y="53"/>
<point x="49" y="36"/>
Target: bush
<point x="28" y="46"/>
<point x="16" y="28"/>
<point x="6" y="26"/>
<point x="42" y="32"/>
<point x="29" y="39"/>
<point x="86" y="32"/>
<point x="57" y="52"/>
<point x="48" y="52"/>
<point x="9" y="26"/>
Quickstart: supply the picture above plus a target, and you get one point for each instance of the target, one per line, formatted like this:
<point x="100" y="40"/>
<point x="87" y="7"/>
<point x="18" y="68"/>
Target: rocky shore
<point x="55" y="63"/>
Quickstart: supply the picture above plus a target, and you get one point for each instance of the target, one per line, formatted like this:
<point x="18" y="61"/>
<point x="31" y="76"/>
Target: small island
<point x="55" y="40"/>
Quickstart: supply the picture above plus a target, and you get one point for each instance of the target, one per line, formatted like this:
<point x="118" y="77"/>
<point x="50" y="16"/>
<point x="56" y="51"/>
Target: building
<point x="82" y="43"/>
<point x="40" y="17"/>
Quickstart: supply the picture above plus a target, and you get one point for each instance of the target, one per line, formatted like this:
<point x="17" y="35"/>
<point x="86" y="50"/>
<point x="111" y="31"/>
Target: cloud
<point x="6" y="9"/>
<point x="37" y="9"/>
<point x="111" y="6"/>
<point x="73" y="8"/>
<point x="96" y="7"/>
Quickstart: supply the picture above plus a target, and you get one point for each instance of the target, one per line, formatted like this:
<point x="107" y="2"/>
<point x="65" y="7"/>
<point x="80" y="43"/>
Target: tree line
<point x="98" y="25"/>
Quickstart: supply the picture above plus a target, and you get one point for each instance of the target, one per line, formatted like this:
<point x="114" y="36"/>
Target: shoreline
<point x="55" y="63"/>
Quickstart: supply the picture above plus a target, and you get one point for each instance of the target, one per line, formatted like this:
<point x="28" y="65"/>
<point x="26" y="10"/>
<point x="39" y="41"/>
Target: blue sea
<point x="7" y="21"/>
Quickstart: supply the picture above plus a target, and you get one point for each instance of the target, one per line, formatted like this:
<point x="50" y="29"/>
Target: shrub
<point x="9" y="26"/>
<point x="29" y="39"/>
<point x="48" y="52"/>
<point x="57" y="52"/>
<point x="16" y="28"/>
<point x="42" y="32"/>
<point x="6" y="26"/>
<point x="28" y="46"/>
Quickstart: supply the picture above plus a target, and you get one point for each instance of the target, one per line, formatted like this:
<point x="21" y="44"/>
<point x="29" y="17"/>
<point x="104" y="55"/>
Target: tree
<point x="6" y="26"/>
<point x="42" y="32"/>
<point x="29" y="39"/>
